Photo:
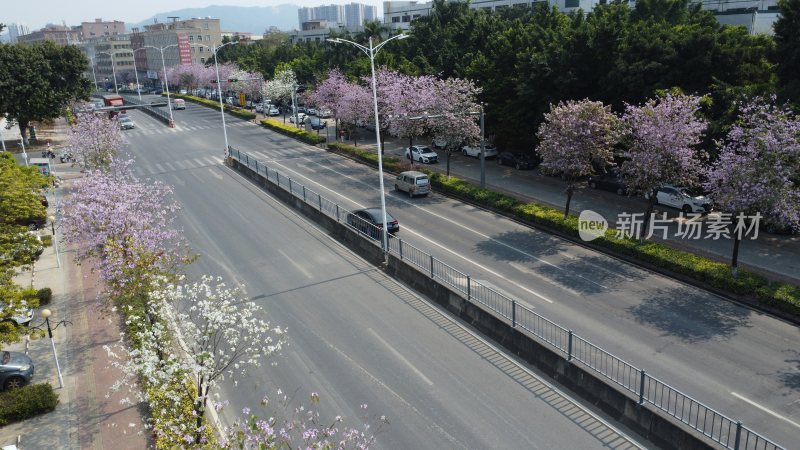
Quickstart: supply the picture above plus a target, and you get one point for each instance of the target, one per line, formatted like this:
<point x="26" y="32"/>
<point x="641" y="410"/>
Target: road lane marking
<point x="400" y="357"/>
<point x="297" y="266"/>
<point x="773" y="413"/>
<point x="482" y="267"/>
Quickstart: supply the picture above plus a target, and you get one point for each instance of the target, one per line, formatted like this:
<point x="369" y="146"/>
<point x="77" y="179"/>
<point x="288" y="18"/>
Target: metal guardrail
<point x="641" y="385"/>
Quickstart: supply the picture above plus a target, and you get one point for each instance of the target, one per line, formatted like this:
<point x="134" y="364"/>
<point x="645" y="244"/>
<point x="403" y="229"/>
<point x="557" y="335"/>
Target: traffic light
<point x="214" y="81"/>
<point x="232" y="80"/>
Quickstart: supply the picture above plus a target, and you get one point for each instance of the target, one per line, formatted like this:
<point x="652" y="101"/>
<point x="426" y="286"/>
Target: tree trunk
<point x="650" y="205"/>
<point x="570" y="191"/>
<point x="448" y="164"/>
<point x="199" y="408"/>
<point x="23" y="131"/>
<point x="735" y="259"/>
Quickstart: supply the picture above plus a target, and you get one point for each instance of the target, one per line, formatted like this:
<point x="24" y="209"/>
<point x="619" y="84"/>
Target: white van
<point x="179" y="103"/>
<point x="413" y="182"/>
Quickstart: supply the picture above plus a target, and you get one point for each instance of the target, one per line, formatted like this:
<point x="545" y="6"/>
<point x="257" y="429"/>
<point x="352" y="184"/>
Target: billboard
<point x="152" y="74"/>
<point x="184" y="49"/>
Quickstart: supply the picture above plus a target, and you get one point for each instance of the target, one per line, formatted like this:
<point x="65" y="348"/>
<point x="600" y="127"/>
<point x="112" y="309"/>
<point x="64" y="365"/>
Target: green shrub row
<point x="26" y="402"/>
<point x="233" y="110"/>
<point x="292" y="131"/>
<point x="782" y="296"/>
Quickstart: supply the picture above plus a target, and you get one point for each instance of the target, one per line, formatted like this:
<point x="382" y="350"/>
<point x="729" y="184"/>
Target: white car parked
<point x="422" y="153"/>
<point x="682" y="198"/>
<point x="274" y="111"/>
<point x="301" y="118"/>
<point x="489" y="151"/>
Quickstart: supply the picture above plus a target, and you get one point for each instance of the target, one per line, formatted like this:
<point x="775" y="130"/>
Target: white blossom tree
<point x="223" y="333"/>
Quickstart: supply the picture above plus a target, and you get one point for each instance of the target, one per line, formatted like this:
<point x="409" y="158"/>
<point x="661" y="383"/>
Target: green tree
<point x="20" y="188"/>
<point x="787" y="52"/>
<point x="38" y="81"/>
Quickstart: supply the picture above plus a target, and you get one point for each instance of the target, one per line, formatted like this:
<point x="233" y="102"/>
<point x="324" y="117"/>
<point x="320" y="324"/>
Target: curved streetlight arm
<point x="214" y="50"/>
<point x="166" y="83"/>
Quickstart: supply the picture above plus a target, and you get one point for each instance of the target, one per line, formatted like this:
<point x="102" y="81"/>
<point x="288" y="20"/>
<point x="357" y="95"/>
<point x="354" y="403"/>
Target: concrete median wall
<point x="659" y="430"/>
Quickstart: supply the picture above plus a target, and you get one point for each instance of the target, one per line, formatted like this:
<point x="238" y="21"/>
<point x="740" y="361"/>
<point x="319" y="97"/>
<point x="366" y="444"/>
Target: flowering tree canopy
<point x="223" y="334"/>
<point x="328" y="92"/>
<point x="662" y="135"/>
<point x="281" y="86"/>
<point x="758" y="169"/>
<point x="401" y="97"/>
<point x="95" y="140"/>
<point x="122" y="223"/>
<point x="576" y="139"/>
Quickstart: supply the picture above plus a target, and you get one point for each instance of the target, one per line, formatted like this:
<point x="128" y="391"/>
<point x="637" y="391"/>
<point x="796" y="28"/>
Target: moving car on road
<point x="413" y="182"/>
<point x="422" y="153"/>
<point x="370" y="222"/>
<point x="125" y="123"/>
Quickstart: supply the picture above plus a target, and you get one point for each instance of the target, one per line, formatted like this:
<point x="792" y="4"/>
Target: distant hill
<point x="253" y="19"/>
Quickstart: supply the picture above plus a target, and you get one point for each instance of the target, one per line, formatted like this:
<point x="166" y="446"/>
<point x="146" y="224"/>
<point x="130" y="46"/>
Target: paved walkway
<point x="89" y="415"/>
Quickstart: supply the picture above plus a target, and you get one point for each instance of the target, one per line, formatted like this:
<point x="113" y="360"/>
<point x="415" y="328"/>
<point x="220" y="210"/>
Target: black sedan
<point x="369" y="221"/>
<point x="608" y="181"/>
<point x="519" y="161"/>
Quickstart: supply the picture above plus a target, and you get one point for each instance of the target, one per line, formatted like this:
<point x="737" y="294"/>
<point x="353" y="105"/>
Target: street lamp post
<point x="94" y="75"/>
<point x="214" y="50"/>
<point x="113" y="69"/>
<point x="136" y="74"/>
<point x="371" y="52"/>
<point x="166" y="83"/>
<point x="46" y="313"/>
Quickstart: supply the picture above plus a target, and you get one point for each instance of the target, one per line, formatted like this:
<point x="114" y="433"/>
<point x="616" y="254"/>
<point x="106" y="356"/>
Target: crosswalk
<point x="178" y="165"/>
<point x="155" y="130"/>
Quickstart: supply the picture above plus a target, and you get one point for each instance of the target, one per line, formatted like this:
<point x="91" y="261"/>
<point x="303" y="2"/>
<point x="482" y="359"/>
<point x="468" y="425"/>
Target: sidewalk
<point x="89" y="415"/>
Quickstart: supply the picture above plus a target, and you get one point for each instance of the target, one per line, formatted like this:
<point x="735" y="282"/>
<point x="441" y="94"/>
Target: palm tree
<point x="374" y="29"/>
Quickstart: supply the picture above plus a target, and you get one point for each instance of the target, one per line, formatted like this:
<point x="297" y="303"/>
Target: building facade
<point x="59" y="34"/>
<point x="100" y="28"/>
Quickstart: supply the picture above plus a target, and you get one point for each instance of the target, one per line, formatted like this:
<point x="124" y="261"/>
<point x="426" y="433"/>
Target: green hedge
<point x="26" y="402"/>
<point x="782" y="296"/>
<point x="292" y="131"/>
<point x="233" y="110"/>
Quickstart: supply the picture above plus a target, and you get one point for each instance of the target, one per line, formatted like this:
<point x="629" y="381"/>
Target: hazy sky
<point x="37" y="13"/>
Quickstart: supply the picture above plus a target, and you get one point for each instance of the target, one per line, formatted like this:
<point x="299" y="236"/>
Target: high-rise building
<point x="350" y="16"/>
<point x="16" y="30"/>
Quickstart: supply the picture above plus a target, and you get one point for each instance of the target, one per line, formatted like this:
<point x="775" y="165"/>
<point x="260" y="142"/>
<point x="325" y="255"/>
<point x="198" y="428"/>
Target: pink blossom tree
<point x="662" y="136"/>
<point x="355" y="104"/>
<point x="576" y="139"/>
<point x="95" y="141"/>
<point x="455" y="102"/>
<point x="402" y="98"/>
<point x="124" y="225"/>
<point x="758" y="169"/>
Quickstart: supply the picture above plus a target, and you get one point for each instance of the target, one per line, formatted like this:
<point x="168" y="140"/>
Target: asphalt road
<point x="742" y="363"/>
<point x="356" y="336"/>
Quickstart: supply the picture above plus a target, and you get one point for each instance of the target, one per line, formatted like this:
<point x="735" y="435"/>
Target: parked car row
<point x="16" y="369"/>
